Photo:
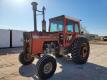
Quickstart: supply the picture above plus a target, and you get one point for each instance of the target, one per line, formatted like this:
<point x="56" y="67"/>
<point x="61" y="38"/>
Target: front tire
<point x="23" y="59"/>
<point x="46" y="66"/>
<point x="80" y="50"/>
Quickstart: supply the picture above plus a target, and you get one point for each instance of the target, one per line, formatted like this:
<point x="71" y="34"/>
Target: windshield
<point x="56" y="26"/>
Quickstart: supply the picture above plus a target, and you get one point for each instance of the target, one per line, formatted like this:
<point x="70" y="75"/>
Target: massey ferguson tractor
<point x="63" y="39"/>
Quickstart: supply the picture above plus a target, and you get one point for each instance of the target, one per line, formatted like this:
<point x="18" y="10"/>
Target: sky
<point x="18" y="14"/>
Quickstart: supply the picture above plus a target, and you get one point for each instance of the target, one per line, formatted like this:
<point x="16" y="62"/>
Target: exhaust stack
<point x="34" y="6"/>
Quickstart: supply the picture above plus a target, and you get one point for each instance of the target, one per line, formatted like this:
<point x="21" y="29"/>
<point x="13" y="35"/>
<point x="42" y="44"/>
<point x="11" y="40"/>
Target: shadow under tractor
<point x="63" y="39"/>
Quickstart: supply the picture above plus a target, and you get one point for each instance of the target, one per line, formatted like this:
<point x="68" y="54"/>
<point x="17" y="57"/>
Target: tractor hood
<point x="45" y="35"/>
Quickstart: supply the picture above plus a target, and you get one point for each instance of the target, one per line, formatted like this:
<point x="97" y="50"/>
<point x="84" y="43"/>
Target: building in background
<point x="4" y="38"/>
<point x="11" y="38"/>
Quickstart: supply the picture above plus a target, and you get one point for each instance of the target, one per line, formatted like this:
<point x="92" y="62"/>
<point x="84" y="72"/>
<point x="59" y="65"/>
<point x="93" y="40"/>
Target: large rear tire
<point x="23" y="59"/>
<point x="46" y="66"/>
<point x="80" y="50"/>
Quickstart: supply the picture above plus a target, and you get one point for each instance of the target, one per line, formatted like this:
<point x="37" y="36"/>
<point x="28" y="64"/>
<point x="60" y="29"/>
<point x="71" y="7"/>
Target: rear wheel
<point x="46" y="67"/>
<point x="25" y="59"/>
<point x="80" y="50"/>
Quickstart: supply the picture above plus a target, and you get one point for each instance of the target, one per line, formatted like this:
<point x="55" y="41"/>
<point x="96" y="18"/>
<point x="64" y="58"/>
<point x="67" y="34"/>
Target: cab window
<point x="76" y="28"/>
<point x="69" y="26"/>
<point x="53" y="27"/>
<point x="56" y="26"/>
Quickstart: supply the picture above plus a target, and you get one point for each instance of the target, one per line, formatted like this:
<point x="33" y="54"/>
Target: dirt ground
<point x="95" y="69"/>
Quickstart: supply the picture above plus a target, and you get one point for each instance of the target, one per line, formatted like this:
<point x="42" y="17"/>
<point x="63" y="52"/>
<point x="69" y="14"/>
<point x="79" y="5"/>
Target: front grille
<point x="27" y="42"/>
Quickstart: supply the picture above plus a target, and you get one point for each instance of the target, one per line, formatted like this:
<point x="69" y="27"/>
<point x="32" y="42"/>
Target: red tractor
<point x="63" y="39"/>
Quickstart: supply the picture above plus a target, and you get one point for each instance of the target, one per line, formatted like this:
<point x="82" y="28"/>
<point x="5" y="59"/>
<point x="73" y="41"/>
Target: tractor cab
<point x="67" y="27"/>
<point x="64" y="24"/>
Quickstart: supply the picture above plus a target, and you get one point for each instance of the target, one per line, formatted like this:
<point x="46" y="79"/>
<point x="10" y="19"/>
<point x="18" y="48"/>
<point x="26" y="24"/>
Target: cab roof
<point x="62" y="17"/>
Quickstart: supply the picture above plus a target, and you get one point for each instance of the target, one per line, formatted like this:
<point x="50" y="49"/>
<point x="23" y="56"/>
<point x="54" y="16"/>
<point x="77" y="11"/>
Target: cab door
<point x="72" y="30"/>
<point x="69" y="32"/>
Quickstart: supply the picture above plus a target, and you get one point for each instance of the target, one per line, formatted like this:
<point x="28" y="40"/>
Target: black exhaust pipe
<point x="34" y="6"/>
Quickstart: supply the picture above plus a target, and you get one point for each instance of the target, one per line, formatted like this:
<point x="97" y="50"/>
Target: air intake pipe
<point x="43" y="22"/>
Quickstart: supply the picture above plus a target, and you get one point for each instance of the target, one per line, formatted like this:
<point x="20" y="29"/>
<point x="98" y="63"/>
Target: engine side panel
<point x="38" y="42"/>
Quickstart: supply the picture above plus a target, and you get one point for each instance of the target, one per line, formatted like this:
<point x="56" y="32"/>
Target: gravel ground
<point x="95" y="69"/>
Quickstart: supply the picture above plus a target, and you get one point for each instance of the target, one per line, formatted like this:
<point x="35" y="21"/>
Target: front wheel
<point x="46" y="66"/>
<point x="25" y="59"/>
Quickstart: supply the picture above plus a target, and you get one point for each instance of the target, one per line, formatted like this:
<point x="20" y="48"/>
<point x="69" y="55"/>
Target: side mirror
<point x="82" y="32"/>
